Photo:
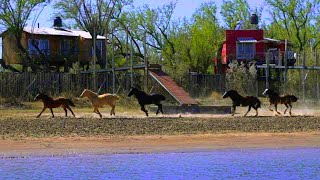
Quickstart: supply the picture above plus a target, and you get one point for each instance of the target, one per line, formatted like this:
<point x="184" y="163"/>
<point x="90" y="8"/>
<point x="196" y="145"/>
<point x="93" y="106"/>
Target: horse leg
<point x="248" y="111"/>
<point x="71" y="111"/>
<point x="144" y="110"/>
<point x="44" y="108"/>
<point x="65" y="110"/>
<point x="286" y="109"/>
<point x="98" y="112"/>
<point x="234" y="110"/>
<point x="290" y="109"/>
<point x="161" y="109"/>
<point x="158" y="109"/>
<point x="112" y="110"/>
<point x="275" y="106"/>
<point x="256" y="112"/>
<point x="270" y="107"/>
<point x="52" y="112"/>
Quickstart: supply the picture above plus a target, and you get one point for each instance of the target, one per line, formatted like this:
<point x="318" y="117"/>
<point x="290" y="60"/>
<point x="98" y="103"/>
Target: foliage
<point x="242" y="77"/>
<point x="93" y="16"/>
<point x="233" y="11"/>
<point x="295" y="20"/>
<point x="14" y="15"/>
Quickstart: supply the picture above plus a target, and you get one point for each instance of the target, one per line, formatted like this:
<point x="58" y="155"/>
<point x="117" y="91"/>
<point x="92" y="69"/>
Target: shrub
<point x="242" y="77"/>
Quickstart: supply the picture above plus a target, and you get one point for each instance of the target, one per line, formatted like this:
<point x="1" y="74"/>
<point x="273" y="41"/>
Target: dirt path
<point x="147" y="144"/>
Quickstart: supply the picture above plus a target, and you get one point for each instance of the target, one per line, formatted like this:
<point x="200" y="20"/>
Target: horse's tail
<point x="258" y="103"/>
<point x="117" y="98"/>
<point x="71" y="103"/>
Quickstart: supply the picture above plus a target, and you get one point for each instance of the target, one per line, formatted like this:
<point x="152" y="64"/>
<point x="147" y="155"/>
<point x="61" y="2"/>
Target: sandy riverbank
<point x="154" y="143"/>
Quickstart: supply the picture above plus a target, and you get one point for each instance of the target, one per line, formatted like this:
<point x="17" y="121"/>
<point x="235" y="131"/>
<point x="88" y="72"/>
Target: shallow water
<point x="300" y="163"/>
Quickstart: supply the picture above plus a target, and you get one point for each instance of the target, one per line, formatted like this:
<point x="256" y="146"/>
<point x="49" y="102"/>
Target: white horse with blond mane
<point x="98" y="101"/>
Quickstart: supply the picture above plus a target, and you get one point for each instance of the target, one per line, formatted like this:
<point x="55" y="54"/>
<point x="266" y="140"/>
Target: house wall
<point x="231" y="43"/>
<point x="85" y="50"/>
<point x="10" y="50"/>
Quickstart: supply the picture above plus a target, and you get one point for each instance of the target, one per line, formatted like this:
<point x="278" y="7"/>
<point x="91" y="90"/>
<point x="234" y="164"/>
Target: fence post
<point x="317" y="75"/>
<point x="303" y="76"/>
<point x="267" y="69"/>
<point x="146" y="73"/>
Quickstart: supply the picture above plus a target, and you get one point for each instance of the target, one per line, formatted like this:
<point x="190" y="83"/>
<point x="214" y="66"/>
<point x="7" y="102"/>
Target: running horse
<point x="275" y="99"/>
<point x="50" y="103"/>
<point x="238" y="100"/>
<point x="145" y="99"/>
<point x="98" y="101"/>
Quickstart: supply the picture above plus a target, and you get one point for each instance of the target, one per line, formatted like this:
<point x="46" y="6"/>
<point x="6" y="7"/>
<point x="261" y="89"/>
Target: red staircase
<point x="171" y="86"/>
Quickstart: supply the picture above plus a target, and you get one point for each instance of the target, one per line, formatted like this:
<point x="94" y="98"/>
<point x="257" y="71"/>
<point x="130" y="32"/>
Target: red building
<point x="248" y="45"/>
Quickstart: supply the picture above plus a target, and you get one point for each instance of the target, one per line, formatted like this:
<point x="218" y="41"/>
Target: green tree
<point x="294" y="20"/>
<point x="233" y="11"/>
<point x="206" y="36"/>
<point x="93" y="16"/>
<point x="14" y="15"/>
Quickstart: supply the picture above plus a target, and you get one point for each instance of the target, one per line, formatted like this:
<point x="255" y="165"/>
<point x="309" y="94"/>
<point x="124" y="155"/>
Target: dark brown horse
<point x="50" y="103"/>
<point x="275" y="99"/>
<point x="238" y="100"/>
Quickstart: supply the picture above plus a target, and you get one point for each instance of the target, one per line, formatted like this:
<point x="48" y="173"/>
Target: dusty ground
<point x="131" y="132"/>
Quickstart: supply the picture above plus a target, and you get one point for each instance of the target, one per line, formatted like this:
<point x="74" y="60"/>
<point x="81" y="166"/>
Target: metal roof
<point x="60" y="32"/>
<point x="270" y="39"/>
<point x="247" y="40"/>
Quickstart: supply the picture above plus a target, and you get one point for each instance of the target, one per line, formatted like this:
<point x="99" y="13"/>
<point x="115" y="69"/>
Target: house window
<point x="99" y="46"/>
<point x="246" y="48"/>
<point x="42" y="44"/>
<point x="65" y="46"/>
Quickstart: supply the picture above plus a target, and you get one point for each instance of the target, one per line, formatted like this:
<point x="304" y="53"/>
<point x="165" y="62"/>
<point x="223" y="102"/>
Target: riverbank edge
<point x="64" y="146"/>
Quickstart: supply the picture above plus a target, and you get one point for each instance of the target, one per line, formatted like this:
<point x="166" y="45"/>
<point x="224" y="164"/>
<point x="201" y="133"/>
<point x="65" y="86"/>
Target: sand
<point x="57" y="146"/>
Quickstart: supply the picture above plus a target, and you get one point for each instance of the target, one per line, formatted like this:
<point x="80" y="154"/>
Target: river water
<point x="298" y="163"/>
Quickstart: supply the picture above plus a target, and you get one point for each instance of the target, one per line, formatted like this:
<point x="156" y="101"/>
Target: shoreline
<point x="60" y="146"/>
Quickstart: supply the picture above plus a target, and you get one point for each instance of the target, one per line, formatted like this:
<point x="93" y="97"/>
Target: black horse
<point x="275" y="99"/>
<point x="144" y="99"/>
<point x="238" y="100"/>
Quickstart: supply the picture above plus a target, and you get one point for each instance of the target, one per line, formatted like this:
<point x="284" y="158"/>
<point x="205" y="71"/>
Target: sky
<point x="184" y="8"/>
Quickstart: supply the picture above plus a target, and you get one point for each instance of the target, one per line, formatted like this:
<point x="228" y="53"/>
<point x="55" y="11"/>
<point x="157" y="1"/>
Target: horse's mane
<point x="140" y="92"/>
<point x="92" y="92"/>
<point x="273" y="93"/>
<point x="235" y="93"/>
<point x="46" y="97"/>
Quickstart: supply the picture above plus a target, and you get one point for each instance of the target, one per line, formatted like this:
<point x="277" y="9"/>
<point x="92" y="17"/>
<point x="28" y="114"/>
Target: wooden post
<point x="285" y="67"/>
<point x="145" y="61"/>
<point x="113" y="64"/>
<point x="317" y="76"/>
<point x="106" y="44"/>
<point x="303" y="76"/>
<point x="267" y="69"/>
<point x="131" y="61"/>
<point x="94" y="59"/>
<point x="127" y="44"/>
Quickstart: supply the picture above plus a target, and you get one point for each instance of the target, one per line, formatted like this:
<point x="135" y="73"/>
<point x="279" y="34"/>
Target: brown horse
<point x="275" y="99"/>
<point x="50" y="103"/>
<point x="98" y="101"/>
<point x="238" y="100"/>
